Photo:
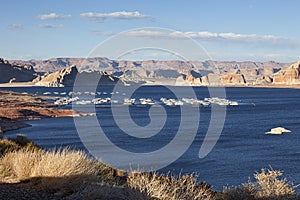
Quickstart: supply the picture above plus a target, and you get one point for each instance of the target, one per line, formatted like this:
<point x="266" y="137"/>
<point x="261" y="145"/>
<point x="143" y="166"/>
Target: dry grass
<point x="8" y="146"/>
<point x="268" y="185"/>
<point x="57" y="171"/>
<point x="24" y="164"/>
<point x="14" y="144"/>
<point x="163" y="187"/>
<point x="73" y="174"/>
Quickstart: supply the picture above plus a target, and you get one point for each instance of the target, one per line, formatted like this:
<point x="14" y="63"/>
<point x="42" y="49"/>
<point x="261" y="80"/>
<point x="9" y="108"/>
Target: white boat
<point x="101" y="100"/>
<point x="65" y="100"/>
<point x="278" y="131"/>
<point x="171" y="102"/>
<point x="221" y="102"/>
<point x="128" y="101"/>
<point x="196" y="102"/>
<point x="147" y="101"/>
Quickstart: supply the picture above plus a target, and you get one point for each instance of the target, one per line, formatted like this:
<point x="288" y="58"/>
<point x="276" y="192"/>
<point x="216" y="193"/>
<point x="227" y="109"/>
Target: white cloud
<point x="15" y="26"/>
<point x="106" y="33"/>
<point x="50" y="26"/>
<point x="207" y="35"/>
<point x="114" y="15"/>
<point x="53" y="16"/>
<point x="228" y="37"/>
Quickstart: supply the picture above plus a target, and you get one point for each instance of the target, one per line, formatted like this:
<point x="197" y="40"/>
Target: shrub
<point x="25" y="164"/>
<point x="15" y="144"/>
<point x="268" y="185"/>
<point x="8" y="146"/>
<point x="58" y="170"/>
<point x="164" y="187"/>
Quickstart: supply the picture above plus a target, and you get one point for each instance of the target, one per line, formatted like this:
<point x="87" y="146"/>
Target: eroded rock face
<point x="289" y="75"/>
<point x="15" y="73"/>
<point x="263" y="80"/>
<point x="235" y="79"/>
<point x="64" y="77"/>
<point x="67" y="77"/>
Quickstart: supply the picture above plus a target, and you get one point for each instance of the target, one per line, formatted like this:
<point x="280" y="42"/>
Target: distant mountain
<point x="16" y="73"/>
<point x="160" y="72"/>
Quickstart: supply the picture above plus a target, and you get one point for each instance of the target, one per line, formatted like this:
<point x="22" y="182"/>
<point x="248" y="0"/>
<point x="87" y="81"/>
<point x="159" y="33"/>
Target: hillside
<point x="16" y="73"/>
<point x="168" y="72"/>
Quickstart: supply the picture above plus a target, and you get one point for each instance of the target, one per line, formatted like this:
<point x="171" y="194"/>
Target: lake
<point x="242" y="148"/>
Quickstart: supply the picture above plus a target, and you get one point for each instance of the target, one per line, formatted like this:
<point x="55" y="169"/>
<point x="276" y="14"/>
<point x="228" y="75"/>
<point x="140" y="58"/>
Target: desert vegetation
<point x="69" y="174"/>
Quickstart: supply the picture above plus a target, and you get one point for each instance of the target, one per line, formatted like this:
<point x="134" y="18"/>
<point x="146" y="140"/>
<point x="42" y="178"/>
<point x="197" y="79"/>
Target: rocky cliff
<point x="66" y="78"/>
<point x="289" y="75"/>
<point x="163" y="72"/>
<point x="15" y="73"/>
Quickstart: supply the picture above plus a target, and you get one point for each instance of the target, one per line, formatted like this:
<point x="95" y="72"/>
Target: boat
<point x="278" y="131"/>
<point x="65" y="100"/>
<point x="101" y="100"/>
<point x="128" y="101"/>
<point x="147" y="101"/>
<point x="171" y="102"/>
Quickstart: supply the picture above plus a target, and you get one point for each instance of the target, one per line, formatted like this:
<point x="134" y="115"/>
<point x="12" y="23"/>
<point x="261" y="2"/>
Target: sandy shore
<point x="19" y="84"/>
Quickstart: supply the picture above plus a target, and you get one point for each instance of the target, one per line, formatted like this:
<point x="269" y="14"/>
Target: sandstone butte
<point x="289" y="75"/>
<point x="15" y="107"/>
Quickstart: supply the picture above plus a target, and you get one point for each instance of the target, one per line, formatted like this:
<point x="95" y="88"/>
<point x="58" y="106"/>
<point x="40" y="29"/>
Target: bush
<point x="8" y="146"/>
<point x="164" y="187"/>
<point x="268" y="185"/>
<point x="25" y="164"/>
<point x="15" y="144"/>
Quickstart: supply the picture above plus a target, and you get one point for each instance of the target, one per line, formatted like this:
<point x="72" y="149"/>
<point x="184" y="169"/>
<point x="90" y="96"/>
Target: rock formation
<point x="15" y="73"/>
<point x="161" y="72"/>
<point x="289" y="75"/>
<point x="263" y="80"/>
<point x="64" y="77"/>
<point x="234" y="79"/>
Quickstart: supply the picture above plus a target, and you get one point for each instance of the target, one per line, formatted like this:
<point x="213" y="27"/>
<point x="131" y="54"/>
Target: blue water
<point x="242" y="149"/>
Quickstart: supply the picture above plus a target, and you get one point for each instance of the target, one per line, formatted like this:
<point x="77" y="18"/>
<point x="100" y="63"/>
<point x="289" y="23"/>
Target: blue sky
<point x="255" y="30"/>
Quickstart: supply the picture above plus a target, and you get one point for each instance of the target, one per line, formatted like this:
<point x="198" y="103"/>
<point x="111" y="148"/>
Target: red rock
<point x="289" y="75"/>
<point x="233" y="79"/>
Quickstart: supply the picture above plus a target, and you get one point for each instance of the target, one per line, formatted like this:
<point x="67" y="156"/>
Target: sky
<point x="247" y="30"/>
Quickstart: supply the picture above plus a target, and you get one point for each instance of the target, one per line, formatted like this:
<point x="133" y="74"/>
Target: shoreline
<point x="275" y="86"/>
<point x="16" y="108"/>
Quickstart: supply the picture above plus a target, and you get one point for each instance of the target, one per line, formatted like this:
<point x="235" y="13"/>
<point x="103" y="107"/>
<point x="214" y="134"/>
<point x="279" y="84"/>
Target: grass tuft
<point x="163" y="187"/>
<point x="268" y="185"/>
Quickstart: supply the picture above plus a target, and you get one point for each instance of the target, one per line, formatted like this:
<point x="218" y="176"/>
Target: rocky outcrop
<point x="64" y="77"/>
<point x="263" y="80"/>
<point x="288" y="76"/>
<point x="234" y="79"/>
<point x="15" y="73"/>
<point x="68" y="76"/>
